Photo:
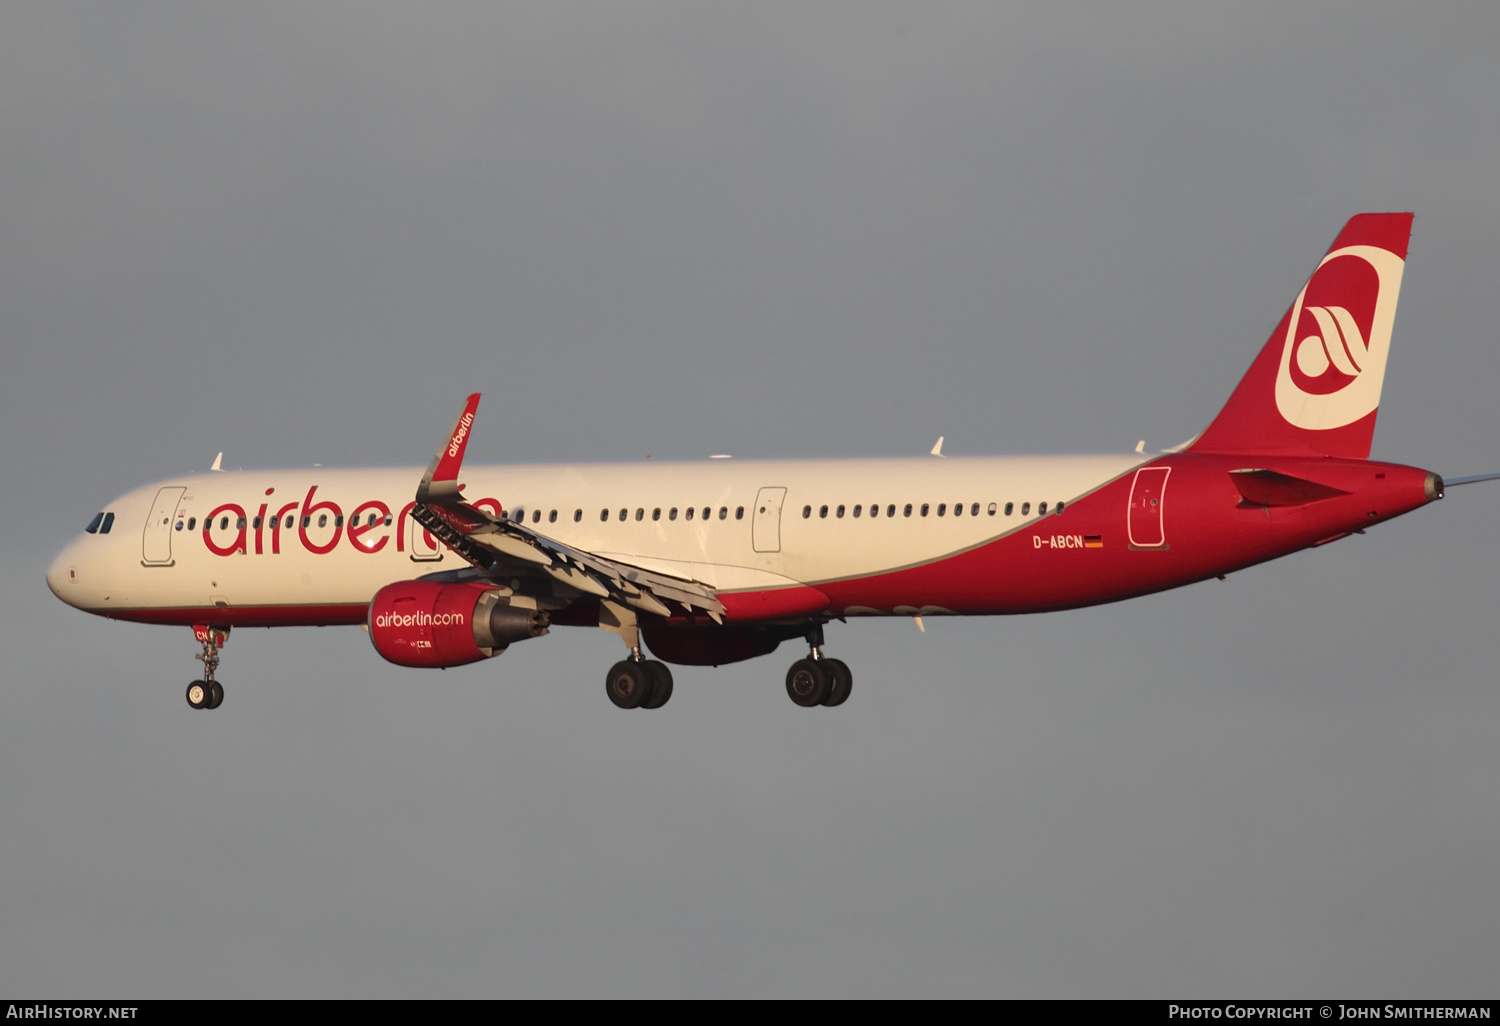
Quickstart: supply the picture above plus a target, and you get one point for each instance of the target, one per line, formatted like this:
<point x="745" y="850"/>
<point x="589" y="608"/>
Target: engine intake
<point x="424" y="623"/>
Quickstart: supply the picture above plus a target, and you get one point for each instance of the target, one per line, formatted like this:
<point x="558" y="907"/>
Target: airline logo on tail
<point x="1337" y="336"/>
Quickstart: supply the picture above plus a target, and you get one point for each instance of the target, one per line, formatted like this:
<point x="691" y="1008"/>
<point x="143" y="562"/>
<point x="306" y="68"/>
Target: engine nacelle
<point x="425" y="623"/>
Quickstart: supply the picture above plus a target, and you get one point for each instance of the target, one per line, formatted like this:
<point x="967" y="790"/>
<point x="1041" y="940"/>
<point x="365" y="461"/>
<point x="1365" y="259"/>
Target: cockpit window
<point x="94" y="523"/>
<point x="109" y="521"/>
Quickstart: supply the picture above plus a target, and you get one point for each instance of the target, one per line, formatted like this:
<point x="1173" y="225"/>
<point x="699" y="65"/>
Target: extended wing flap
<point x="499" y="546"/>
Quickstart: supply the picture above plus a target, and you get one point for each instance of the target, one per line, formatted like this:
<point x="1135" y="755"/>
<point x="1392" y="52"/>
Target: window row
<point x="519" y="514"/>
<point x="307" y="521"/>
<point x="926" y="508"/>
<point x="102" y="522"/>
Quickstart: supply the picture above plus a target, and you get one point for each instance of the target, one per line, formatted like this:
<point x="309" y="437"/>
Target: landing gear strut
<point x="208" y="693"/>
<point x="635" y="682"/>
<point x="818" y="680"/>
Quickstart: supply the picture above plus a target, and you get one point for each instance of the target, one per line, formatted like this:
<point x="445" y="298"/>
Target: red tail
<point x="1315" y="388"/>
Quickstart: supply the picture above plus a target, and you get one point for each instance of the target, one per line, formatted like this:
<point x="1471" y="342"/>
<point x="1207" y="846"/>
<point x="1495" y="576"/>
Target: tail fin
<point x="1315" y="387"/>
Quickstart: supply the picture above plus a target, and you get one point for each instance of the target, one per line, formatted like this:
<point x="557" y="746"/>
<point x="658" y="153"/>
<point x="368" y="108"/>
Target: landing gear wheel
<point x="629" y="684"/>
<point x="840" y="680"/>
<point x="216" y="695"/>
<point x="198" y="694"/>
<point x="661" y="685"/>
<point x="807" y="682"/>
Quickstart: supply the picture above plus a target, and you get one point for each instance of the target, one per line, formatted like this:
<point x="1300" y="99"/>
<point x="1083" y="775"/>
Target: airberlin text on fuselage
<point x="269" y="522"/>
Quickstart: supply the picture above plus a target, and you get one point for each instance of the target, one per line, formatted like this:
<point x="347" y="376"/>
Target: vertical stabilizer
<point x="1315" y="387"/>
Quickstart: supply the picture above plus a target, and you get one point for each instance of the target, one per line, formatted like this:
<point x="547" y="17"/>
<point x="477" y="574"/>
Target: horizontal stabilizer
<point x="1268" y="488"/>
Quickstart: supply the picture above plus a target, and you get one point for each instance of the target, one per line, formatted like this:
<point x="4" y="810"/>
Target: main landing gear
<point x="634" y="682"/>
<point x="818" y="680"/>
<point x="208" y="693"/>
<point x="637" y="683"/>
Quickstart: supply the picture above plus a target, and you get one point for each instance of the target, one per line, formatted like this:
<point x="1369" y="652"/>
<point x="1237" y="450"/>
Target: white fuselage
<point x="287" y="540"/>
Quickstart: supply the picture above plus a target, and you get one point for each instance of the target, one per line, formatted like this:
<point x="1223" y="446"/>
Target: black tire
<point x="807" y="683"/>
<point x="215" y="695"/>
<point x="661" y="685"/>
<point x="840" y="681"/>
<point x="198" y="693"/>
<point x="628" y="684"/>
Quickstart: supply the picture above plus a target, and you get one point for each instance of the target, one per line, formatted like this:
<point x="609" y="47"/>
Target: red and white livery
<point x="715" y="561"/>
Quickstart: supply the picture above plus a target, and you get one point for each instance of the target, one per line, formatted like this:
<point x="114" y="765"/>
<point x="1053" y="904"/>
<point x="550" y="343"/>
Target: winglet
<point x="217" y="460"/>
<point x="441" y="479"/>
<point x="937" y="450"/>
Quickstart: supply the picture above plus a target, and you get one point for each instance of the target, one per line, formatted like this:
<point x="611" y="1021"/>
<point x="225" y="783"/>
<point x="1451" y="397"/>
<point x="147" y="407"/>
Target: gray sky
<point x="302" y="234"/>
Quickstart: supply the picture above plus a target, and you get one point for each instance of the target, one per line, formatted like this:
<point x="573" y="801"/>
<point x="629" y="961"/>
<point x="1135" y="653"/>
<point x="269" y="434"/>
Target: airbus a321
<point x="714" y="561"/>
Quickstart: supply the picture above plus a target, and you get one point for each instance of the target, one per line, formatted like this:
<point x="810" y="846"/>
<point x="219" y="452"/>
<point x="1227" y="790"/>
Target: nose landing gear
<point x="208" y="693"/>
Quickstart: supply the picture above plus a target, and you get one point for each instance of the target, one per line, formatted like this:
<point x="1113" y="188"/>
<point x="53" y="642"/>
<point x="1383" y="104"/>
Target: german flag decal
<point x="1093" y="541"/>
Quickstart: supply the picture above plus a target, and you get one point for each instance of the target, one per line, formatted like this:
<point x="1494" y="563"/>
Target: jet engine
<point x="427" y="623"/>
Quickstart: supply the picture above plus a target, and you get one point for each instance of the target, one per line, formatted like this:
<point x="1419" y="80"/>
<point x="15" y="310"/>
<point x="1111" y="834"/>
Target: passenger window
<point x="192" y="523"/>
<point x="924" y="509"/>
<point x="387" y="519"/>
<point x="552" y="517"/>
<point x="689" y="513"/>
<point x="656" y="513"/>
<point x="707" y="512"/>
<point x="975" y="511"/>
<point x="179" y="525"/>
<point x="624" y="515"/>
<point x="1042" y="509"/>
<point x="1009" y="506"/>
<point x="723" y="512"/>
<point x="856" y="509"/>
<point x="1025" y="508"/>
<point x="536" y="516"/>
<point x="958" y="509"/>
<point x="823" y="512"/>
<point x="1059" y="508"/>
<point x="577" y="515"/>
<point x="874" y="510"/>
<point x="338" y="521"/>
<point x="806" y="512"/>
<point x="739" y="513"/>
<point x="603" y="515"/>
<point x="94" y="523"/>
<point x="322" y="520"/>
<point x="370" y="521"/>
<point x="288" y="522"/>
<point x="942" y="508"/>
<point x="240" y="523"/>
<point x="256" y="523"/>
<point x="890" y="510"/>
<point x="518" y="515"/>
<point x="907" y="511"/>
<point x="640" y="514"/>
<point x="672" y="513"/>
<point x="839" y="512"/>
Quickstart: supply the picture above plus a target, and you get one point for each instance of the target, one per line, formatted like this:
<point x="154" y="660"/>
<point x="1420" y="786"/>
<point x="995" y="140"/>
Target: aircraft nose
<point x="62" y="575"/>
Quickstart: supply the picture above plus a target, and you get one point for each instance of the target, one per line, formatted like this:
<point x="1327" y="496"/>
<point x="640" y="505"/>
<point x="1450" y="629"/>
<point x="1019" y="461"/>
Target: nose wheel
<point x="208" y="693"/>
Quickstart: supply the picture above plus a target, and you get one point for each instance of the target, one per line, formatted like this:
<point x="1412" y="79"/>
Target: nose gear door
<point x="156" y="540"/>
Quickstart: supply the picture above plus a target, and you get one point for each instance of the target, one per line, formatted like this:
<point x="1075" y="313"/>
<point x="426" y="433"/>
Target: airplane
<point x="708" y="562"/>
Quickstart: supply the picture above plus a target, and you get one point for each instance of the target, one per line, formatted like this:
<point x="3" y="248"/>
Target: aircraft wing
<point x="502" y="547"/>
